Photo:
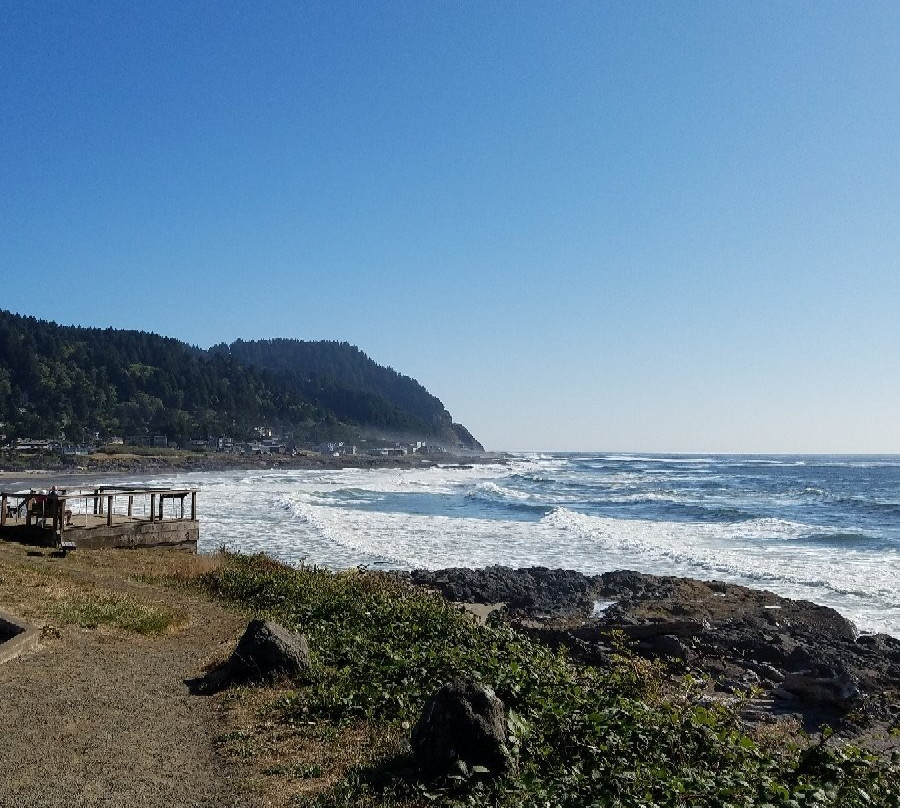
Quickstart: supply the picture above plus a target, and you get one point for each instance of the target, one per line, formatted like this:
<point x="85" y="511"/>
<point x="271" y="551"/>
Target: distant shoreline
<point x="99" y="464"/>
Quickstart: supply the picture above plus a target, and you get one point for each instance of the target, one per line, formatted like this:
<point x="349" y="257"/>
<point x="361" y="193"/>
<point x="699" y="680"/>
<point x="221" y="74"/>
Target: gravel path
<point x="96" y="717"/>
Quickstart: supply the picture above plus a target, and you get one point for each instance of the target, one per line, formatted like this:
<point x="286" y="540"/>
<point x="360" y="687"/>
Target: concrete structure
<point x="102" y="517"/>
<point x="16" y="637"/>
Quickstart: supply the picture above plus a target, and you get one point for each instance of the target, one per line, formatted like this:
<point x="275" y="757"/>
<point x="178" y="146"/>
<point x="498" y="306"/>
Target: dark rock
<point x="764" y="670"/>
<point x="675" y="628"/>
<point x="666" y="645"/>
<point x="839" y="690"/>
<point x="268" y="651"/>
<point x="463" y="722"/>
<point x="265" y="653"/>
<point x="812" y="653"/>
<point x="536" y="590"/>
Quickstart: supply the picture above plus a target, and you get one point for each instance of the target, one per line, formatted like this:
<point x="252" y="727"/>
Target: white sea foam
<point x="763" y="552"/>
<point x="658" y="459"/>
<point x="349" y="517"/>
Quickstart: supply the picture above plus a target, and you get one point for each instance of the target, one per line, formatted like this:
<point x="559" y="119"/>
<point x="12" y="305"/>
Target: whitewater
<point x="824" y="529"/>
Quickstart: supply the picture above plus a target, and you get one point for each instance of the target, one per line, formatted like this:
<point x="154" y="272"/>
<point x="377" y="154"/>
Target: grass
<point x="630" y="736"/>
<point x="49" y="588"/>
<point x="92" y="609"/>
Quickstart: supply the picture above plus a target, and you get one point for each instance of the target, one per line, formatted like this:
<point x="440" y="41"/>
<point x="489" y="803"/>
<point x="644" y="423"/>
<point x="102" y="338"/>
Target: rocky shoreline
<point x="190" y="462"/>
<point x="796" y="659"/>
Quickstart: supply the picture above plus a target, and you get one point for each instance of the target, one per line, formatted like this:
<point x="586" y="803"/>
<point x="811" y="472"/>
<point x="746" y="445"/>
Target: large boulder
<point x="266" y="652"/>
<point x="533" y="590"/>
<point x="832" y="688"/>
<point x="463" y="722"/>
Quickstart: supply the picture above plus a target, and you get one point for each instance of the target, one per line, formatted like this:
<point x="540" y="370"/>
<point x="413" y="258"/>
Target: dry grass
<point x="39" y="587"/>
<point x="90" y="609"/>
<point x="119" y="591"/>
<point x="293" y="764"/>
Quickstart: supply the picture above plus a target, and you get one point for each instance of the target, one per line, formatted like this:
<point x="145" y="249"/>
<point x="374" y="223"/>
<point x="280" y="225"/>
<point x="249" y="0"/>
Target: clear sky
<point x="649" y="226"/>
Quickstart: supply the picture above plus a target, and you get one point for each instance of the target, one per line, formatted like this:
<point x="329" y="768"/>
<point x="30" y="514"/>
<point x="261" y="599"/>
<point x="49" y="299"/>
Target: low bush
<point x="630" y="735"/>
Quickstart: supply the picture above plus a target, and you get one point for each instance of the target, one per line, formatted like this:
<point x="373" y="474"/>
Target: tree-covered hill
<point x="64" y="381"/>
<point x="343" y="380"/>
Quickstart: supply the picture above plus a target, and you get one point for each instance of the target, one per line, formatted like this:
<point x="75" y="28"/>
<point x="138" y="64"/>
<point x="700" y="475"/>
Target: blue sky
<point x="613" y="226"/>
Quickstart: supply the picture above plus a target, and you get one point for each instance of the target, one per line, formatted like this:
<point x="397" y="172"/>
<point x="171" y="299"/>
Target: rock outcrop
<point x="802" y="657"/>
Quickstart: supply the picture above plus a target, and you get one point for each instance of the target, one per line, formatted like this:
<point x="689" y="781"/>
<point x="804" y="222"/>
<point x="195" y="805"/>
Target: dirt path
<point x="101" y="716"/>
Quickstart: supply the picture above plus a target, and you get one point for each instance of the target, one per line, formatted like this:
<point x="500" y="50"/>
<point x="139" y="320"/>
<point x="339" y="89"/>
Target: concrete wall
<point x="175" y="534"/>
<point x="16" y="637"/>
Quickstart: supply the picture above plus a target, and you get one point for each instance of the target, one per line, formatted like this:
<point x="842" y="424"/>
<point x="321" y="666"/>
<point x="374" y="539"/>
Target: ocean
<point x="820" y="528"/>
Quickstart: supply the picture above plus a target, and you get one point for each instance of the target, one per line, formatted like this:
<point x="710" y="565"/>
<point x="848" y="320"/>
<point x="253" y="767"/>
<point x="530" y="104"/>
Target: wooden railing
<point x="96" y="505"/>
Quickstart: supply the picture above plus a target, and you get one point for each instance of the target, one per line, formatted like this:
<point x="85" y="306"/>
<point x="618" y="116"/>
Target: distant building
<point x="393" y="451"/>
<point x="27" y="445"/>
<point x="161" y="441"/>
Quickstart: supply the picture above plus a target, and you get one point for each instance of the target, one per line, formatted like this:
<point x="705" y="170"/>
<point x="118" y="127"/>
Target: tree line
<point x="62" y="382"/>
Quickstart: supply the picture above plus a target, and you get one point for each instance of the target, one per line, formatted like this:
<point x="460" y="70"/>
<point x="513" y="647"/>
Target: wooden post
<point x="97" y="501"/>
<point x="182" y="506"/>
<point x="109" y="510"/>
<point x="130" y="505"/>
<point x="193" y="506"/>
<point x="162" y="499"/>
<point x="2" y="510"/>
<point x="153" y="507"/>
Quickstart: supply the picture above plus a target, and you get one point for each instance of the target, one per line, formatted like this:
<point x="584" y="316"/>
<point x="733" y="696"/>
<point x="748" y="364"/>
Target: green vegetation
<point x="64" y="381"/>
<point x="340" y="378"/>
<point x="146" y="451"/>
<point x="629" y="735"/>
<point x="92" y="609"/>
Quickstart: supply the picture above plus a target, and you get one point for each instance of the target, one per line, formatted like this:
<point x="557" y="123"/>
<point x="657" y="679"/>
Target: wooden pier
<point x="102" y="517"/>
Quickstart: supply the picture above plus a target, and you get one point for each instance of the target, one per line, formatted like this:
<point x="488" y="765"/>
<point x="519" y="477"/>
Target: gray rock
<point x="840" y="690"/>
<point x="667" y="645"/>
<point x="463" y="722"/>
<point x="266" y="652"/>
<point x="720" y="628"/>
<point x="536" y="590"/>
<point x="674" y="628"/>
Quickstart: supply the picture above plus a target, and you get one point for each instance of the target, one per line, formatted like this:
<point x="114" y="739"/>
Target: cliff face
<point x="466" y="439"/>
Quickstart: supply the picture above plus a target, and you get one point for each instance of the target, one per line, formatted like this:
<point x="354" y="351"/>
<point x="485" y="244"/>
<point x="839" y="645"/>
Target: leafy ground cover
<point x="629" y="735"/>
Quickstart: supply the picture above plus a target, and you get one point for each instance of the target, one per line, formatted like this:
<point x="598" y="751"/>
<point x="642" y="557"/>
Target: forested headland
<point x="65" y="382"/>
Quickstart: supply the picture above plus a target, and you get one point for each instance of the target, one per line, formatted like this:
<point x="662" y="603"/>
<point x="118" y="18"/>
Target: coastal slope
<point x="69" y="382"/>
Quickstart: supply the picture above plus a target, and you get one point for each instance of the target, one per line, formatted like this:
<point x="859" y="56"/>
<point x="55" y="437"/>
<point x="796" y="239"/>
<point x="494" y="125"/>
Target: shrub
<point x="629" y="735"/>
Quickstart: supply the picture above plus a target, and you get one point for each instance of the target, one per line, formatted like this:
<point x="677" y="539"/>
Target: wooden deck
<point x="102" y="517"/>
